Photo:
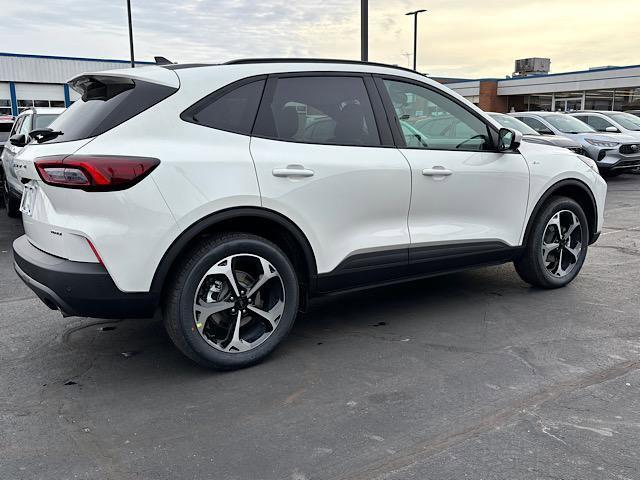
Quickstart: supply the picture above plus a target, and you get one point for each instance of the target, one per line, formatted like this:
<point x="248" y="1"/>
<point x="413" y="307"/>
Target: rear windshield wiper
<point x="44" y="134"/>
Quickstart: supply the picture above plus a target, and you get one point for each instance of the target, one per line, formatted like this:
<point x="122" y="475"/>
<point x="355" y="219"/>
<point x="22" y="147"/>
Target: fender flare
<point x="571" y="182"/>
<point x="182" y="241"/>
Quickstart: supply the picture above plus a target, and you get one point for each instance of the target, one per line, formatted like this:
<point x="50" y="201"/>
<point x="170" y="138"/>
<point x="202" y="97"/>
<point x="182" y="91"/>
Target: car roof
<point x="43" y="111"/>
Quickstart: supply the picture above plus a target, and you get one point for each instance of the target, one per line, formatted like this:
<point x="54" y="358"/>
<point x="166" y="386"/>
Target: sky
<point x="456" y="38"/>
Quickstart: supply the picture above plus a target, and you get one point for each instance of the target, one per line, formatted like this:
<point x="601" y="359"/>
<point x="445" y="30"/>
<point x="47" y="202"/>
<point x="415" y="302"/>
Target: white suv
<point x="227" y="195"/>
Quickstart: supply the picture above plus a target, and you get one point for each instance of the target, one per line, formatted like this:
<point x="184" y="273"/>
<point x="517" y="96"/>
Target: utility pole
<point x="364" y="30"/>
<point x="133" y="62"/>
<point x="415" y="36"/>
<point x="408" y="55"/>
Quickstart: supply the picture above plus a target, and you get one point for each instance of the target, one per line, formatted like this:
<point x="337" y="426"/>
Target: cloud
<point x="456" y="37"/>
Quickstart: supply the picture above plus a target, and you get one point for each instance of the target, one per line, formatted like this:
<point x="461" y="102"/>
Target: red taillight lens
<point x="94" y="172"/>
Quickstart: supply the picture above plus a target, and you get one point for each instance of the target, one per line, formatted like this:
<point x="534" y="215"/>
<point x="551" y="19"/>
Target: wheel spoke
<point x="236" y="342"/>
<point x="272" y="315"/>
<point x="206" y="309"/>
<point x="575" y="224"/>
<point x="574" y="251"/>
<point x="559" y="270"/>
<point x="268" y="272"/>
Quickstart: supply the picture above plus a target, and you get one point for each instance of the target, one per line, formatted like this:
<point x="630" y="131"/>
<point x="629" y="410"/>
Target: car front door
<point x="468" y="201"/>
<point x="9" y="153"/>
<point x="325" y="158"/>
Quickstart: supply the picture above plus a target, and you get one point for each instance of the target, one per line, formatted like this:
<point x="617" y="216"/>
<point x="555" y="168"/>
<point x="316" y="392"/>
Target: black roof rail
<point x="243" y="61"/>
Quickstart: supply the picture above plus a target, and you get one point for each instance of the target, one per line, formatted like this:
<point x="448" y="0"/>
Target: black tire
<point x="178" y="304"/>
<point x="611" y="173"/>
<point x="11" y="203"/>
<point x="530" y="265"/>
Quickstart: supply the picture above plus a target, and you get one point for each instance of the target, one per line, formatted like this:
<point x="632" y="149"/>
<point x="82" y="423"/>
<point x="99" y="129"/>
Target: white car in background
<point x="29" y="120"/>
<point x="201" y="190"/>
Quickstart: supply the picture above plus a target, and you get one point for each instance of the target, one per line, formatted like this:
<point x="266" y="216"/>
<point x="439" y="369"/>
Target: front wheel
<point x="233" y="300"/>
<point x="557" y="245"/>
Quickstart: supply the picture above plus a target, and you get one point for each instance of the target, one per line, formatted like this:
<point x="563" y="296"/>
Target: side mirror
<point x="508" y="140"/>
<point x="18" y="140"/>
<point x="612" y="129"/>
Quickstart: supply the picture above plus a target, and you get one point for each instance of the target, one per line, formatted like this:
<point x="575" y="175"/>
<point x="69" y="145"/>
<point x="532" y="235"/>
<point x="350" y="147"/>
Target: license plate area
<point x="28" y="201"/>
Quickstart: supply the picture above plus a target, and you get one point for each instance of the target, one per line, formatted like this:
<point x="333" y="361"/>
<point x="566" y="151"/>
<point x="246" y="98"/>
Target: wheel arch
<point x="256" y="220"/>
<point x="576" y="190"/>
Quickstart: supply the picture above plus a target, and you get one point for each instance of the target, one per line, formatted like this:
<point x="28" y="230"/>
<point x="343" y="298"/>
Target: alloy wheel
<point x="562" y="243"/>
<point x="238" y="303"/>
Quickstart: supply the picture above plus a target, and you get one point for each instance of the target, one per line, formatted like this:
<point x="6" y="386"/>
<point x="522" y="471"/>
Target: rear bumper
<point x="77" y="288"/>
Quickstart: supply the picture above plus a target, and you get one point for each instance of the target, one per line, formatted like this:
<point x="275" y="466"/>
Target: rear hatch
<point x="50" y="208"/>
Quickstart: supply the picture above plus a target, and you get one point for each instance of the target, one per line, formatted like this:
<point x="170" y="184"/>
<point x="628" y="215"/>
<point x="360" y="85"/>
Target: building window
<point x="626" y="99"/>
<point x="26" y="104"/>
<point x="598" y="100"/>
<point x="5" y="107"/>
<point x="539" y="103"/>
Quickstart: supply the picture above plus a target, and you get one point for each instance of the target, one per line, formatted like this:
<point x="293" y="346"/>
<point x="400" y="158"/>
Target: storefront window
<point x="539" y="103"/>
<point x="598" y="100"/>
<point x="626" y="99"/>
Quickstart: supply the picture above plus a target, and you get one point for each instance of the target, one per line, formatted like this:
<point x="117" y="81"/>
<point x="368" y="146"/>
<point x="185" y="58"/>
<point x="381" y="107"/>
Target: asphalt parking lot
<point x="472" y="375"/>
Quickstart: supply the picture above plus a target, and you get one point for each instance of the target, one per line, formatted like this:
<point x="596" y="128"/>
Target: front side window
<point x="235" y="111"/>
<point x="325" y="110"/>
<point x="598" y="123"/>
<point x="43" y="120"/>
<point x="630" y="122"/>
<point x="25" y="127"/>
<point x="430" y="120"/>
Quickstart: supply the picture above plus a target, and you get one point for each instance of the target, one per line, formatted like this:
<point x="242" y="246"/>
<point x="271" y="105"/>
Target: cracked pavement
<point x="472" y="375"/>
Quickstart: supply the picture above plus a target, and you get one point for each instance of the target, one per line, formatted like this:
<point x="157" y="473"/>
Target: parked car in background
<point x="6" y="124"/>
<point x="613" y="152"/>
<point x="203" y="191"/>
<point x="610" y="122"/>
<point x="28" y="120"/>
<point x="530" y="135"/>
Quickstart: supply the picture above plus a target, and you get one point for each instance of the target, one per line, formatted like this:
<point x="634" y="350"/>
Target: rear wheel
<point x="233" y="299"/>
<point x="557" y="245"/>
<point x="11" y="203"/>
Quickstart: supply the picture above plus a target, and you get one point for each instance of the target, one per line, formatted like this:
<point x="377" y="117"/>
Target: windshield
<point x="628" y="121"/>
<point x="43" y="120"/>
<point x="567" y="124"/>
<point x="510" y="122"/>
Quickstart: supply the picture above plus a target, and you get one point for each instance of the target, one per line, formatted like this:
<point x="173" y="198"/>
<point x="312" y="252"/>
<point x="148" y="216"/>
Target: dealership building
<point x="601" y="88"/>
<point x="39" y="80"/>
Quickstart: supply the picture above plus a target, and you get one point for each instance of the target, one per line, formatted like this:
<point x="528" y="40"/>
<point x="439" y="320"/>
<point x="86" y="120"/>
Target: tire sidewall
<point x="185" y="319"/>
<point x="538" y="233"/>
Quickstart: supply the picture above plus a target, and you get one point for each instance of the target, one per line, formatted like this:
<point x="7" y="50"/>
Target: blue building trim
<point x="54" y="57"/>
<point x="67" y="97"/>
<point x="14" y="99"/>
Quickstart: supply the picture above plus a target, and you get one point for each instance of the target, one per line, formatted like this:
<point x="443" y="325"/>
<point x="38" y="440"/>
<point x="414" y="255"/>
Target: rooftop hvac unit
<point x="532" y="66"/>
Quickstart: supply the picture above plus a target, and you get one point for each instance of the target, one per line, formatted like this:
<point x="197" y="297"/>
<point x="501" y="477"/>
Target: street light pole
<point x="133" y="63"/>
<point x="415" y="36"/>
<point x="364" y="30"/>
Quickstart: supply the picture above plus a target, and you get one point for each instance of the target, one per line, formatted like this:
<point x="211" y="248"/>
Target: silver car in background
<point x="530" y="135"/>
<point x="611" y="122"/>
<point x="613" y="152"/>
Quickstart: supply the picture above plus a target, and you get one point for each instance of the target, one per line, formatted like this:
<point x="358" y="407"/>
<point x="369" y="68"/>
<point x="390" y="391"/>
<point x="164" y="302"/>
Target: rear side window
<point x="233" y="111"/>
<point x="326" y="110"/>
<point x="106" y="102"/>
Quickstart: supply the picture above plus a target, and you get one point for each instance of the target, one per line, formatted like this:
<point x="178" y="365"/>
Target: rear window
<point x="106" y="102"/>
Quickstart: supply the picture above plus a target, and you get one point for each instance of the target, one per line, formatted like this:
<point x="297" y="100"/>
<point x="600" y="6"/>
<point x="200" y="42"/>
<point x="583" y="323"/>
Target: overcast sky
<point x="463" y="38"/>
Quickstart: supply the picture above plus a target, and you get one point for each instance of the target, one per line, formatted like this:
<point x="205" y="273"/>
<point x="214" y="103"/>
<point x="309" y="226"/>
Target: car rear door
<point x="468" y="201"/>
<point x="325" y="158"/>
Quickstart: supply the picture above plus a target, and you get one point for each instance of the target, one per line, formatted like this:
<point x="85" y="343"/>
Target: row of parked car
<point x="612" y="139"/>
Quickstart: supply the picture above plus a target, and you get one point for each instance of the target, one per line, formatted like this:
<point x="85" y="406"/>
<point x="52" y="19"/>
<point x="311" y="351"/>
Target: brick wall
<point x="489" y="99"/>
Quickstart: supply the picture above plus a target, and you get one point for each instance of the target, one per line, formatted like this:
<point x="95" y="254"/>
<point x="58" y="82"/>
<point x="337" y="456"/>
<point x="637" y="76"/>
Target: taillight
<point x="94" y="173"/>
